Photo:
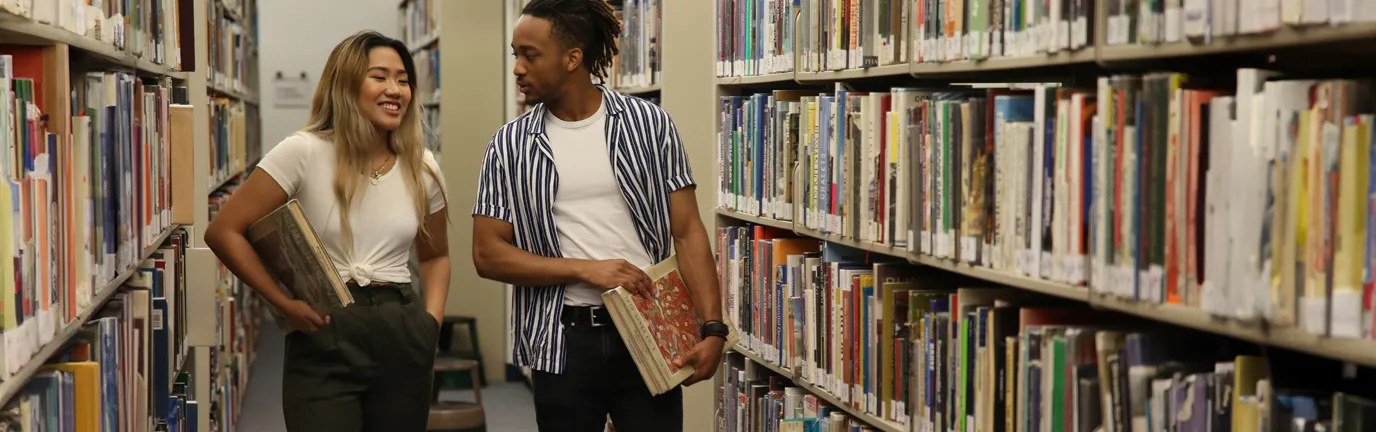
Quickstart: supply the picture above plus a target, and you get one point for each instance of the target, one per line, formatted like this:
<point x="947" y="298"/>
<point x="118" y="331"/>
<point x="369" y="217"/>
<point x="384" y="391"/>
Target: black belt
<point x="380" y="293"/>
<point x="586" y="316"/>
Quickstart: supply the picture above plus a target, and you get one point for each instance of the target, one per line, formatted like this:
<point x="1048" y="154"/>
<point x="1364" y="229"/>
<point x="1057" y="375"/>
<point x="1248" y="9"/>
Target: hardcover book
<point x="297" y="260"/>
<point x="659" y="329"/>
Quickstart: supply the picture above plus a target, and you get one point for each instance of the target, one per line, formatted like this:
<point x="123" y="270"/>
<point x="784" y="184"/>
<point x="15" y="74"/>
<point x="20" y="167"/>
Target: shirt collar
<point x="613" y="101"/>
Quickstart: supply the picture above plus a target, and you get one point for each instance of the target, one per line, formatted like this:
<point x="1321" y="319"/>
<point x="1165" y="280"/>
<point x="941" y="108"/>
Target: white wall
<point x="300" y="35"/>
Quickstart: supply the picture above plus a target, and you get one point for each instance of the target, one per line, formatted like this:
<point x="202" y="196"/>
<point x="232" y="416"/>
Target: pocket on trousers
<point x="428" y="326"/>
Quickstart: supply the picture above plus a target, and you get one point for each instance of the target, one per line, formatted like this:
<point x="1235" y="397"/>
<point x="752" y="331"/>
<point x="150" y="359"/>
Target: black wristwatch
<point x="714" y="328"/>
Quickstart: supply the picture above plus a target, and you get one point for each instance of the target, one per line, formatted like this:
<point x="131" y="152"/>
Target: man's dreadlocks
<point x="587" y="24"/>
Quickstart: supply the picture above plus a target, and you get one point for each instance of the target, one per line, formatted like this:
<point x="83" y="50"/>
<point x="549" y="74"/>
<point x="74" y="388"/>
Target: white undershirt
<point x="383" y="217"/>
<point x="590" y="215"/>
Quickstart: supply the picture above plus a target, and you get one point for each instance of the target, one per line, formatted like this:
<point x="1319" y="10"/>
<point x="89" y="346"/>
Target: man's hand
<point x="302" y="317"/>
<point x="609" y="274"/>
<point x="704" y="359"/>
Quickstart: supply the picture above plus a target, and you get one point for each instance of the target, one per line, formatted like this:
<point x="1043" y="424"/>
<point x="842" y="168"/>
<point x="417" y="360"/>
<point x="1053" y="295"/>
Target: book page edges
<point x="322" y="258"/>
<point x="623" y="301"/>
<point x="654" y="381"/>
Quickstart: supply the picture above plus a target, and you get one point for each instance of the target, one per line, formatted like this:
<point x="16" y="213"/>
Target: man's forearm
<point x="505" y="263"/>
<point x="434" y="278"/>
<point x="700" y="273"/>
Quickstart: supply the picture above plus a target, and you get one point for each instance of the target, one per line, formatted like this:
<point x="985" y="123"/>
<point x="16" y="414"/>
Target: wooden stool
<point x="450" y="416"/>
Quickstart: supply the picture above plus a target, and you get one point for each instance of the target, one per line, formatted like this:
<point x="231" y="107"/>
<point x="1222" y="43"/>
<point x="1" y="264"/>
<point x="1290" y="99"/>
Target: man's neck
<point x="577" y="103"/>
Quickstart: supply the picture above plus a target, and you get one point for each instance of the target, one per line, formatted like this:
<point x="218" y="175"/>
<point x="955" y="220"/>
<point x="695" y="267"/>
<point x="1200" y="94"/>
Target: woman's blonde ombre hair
<point x="335" y="116"/>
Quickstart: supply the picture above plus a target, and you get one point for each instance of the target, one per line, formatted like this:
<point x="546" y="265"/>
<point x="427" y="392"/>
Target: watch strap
<point x="714" y="328"/>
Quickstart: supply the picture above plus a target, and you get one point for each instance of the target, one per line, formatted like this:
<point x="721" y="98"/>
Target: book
<point x="293" y="253"/>
<point x="659" y="329"/>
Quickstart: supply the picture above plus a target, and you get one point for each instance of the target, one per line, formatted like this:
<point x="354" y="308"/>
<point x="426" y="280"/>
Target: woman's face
<point x="386" y="91"/>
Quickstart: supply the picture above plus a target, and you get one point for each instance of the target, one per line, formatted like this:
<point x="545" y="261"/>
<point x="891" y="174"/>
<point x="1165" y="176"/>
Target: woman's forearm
<point x="237" y="254"/>
<point x="434" y="282"/>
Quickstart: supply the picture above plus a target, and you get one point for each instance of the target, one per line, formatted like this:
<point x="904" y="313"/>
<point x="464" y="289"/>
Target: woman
<point x="372" y="191"/>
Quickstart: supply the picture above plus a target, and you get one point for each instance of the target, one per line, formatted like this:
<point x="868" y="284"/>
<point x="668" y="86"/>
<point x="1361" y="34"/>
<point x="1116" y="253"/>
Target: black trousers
<point x="369" y="369"/>
<point x="599" y="379"/>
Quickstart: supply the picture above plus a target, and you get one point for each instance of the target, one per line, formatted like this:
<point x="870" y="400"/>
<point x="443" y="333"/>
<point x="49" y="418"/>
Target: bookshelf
<point x="54" y="84"/>
<point x="179" y="87"/>
<point x="225" y="332"/>
<point x="14" y="383"/>
<point x="868" y="200"/>
<point x="637" y="68"/>
<point x="420" y="30"/>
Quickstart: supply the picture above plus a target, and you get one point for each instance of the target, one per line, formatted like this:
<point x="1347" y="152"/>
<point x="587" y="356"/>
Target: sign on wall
<point x="292" y="92"/>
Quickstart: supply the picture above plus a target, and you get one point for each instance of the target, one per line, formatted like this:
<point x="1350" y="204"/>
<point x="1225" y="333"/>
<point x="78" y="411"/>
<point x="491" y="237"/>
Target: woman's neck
<point x="381" y="147"/>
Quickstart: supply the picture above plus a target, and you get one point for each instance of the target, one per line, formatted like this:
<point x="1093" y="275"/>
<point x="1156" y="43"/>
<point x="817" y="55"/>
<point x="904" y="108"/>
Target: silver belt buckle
<point x="592" y="316"/>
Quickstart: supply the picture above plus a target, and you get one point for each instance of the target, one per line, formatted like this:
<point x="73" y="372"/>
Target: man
<point x="575" y="197"/>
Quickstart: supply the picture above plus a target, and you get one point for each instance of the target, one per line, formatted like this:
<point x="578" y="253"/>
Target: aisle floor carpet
<point x="509" y="405"/>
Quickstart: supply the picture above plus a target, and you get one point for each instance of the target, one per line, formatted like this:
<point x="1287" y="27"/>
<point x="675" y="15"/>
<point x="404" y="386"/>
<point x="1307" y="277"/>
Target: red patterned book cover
<point x="670" y="317"/>
<point x="661" y="328"/>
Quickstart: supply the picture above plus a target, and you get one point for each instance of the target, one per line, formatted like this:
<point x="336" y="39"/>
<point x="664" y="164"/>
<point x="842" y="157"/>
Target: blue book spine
<point x="161" y="366"/>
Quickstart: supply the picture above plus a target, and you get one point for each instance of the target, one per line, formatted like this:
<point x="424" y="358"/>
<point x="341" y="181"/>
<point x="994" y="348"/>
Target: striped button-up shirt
<point x="518" y="183"/>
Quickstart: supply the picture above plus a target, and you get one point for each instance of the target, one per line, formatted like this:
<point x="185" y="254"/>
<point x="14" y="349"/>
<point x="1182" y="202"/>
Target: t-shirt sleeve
<point x="435" y="186"/>
<point x="677" y="169"/>
<point x="494" y="191"/>
<point x="286" y="162"/>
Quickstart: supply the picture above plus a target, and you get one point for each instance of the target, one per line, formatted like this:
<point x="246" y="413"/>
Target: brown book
<point x="180" y="138"/>
<point x="294" y="255"/>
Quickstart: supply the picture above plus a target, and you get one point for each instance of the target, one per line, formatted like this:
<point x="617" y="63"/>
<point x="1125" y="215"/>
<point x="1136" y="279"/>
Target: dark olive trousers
<point x="600" y="379"/>
<point x="368" y="369"/>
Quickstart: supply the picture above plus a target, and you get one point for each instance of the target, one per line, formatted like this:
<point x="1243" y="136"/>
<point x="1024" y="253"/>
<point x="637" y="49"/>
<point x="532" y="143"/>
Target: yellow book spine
<point x="1349" y="239"/>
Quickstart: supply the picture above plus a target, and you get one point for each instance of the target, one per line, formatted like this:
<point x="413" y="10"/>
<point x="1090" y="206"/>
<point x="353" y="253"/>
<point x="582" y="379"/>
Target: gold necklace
<point x="377" y="173"/>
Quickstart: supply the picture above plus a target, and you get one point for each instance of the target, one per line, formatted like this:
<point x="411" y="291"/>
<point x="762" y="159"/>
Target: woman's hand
<point x="434" y="316"/>
<point x="302" y="316"/>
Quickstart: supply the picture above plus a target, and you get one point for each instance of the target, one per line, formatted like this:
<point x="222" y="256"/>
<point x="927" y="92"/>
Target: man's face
<point x="542" y="65"/>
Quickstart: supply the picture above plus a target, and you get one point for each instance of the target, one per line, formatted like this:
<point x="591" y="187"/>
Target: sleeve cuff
<point x="680" y="182"/>
<point x="500" y="213"/>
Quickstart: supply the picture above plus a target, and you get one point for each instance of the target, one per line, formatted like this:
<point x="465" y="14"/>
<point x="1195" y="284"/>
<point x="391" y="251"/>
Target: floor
<point x="509" y="405"/>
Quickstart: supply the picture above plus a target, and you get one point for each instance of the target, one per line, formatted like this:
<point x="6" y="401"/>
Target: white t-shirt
<point x="590" y="214"/>
<point x="383" y="219"/>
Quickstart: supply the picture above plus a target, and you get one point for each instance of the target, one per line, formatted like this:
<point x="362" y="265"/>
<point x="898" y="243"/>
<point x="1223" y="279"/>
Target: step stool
<point x="471" y="352"/>
<point x="456" y="416"/>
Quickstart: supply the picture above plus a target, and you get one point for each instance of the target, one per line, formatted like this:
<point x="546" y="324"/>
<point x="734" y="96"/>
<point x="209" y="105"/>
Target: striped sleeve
<point x="677" y="170"/>
<point x="494" y="187"/>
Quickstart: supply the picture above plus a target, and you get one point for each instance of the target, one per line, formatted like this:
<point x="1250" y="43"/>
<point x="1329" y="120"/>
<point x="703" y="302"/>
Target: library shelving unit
<point x="420" y="30"/>
<point x="118" y="318"/>
<point x="227" y="332"/>
<point x="998" y="215"/>
<point x="637" y="67"/>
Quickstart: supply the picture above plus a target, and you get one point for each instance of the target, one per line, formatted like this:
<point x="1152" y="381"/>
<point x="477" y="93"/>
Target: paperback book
<point x="659" y="329"/>
<point x="297" y="260"/>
